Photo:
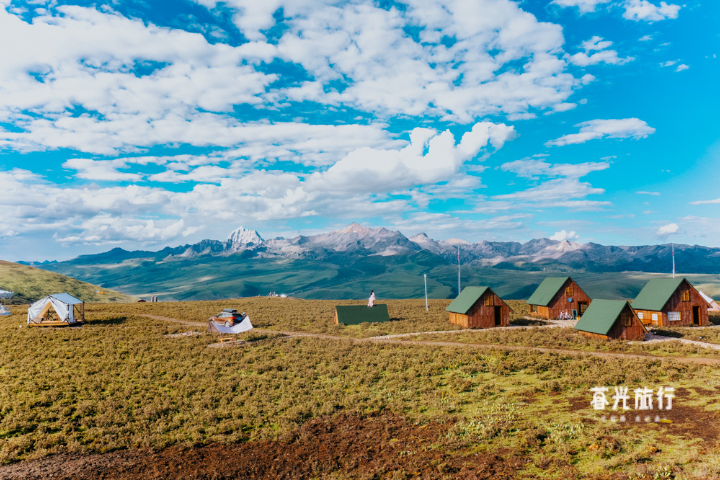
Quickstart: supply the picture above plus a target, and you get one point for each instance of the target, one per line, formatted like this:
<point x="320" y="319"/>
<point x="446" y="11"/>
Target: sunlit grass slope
<point x="30" y="284"/>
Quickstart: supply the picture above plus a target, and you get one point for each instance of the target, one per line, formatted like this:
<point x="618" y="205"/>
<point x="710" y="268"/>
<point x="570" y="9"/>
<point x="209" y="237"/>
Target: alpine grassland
<point x="118" y="384"/>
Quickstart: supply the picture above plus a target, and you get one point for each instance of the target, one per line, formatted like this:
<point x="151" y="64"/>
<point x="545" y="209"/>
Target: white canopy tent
<point x="4" y="295"/>
<point x="243" y="326"/>
<point x="63" y="304"/>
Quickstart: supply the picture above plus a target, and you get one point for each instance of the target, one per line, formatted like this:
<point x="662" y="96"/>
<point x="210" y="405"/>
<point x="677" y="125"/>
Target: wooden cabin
<point x="556" y="296"/>
<point x="611" y="319"/>
<point x="479" y="307"/>
<point x="671" y="302"/>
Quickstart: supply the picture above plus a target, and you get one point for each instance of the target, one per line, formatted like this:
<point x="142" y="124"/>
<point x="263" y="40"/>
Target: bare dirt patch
<point x="352" y="446"/>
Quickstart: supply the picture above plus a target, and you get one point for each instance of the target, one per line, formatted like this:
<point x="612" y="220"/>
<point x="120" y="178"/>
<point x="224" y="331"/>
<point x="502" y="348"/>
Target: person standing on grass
<point x="371" y="301"/>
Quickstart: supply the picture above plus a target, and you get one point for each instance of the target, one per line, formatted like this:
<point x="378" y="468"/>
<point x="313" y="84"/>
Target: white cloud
<point x="669" y="229"/>
<point x="681" y="67"/>
<point x="388" y="72"/>
<point x="603" y="55"/>
<point x="705" y="202"/>
<point x="108" y="229"/>
<point x="645" y="38"/>
<point x="361" y="184"/>
<point x="430" y="158"/>
<point x="596" y="129"/>
<point x="564" y="189"/>
<point x="644" y="10"/>
<point x="584" y="6"/>
<point x="563" y="235"/>
<point x="530" y="168"/>
<point x="669" y="63"/>
<point x="98" y="82"/>
<point x="443" y="226"/>
<point x="648" y="193"/>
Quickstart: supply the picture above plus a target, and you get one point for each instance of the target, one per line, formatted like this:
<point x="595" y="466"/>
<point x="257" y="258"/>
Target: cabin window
<point x="489" y="300"/>
<point x="569" y="291"/>
<point x="673" y="316"/>
<point x="654" y="317"/>
<point x="626" y="319"/>
<point x="533" y="308"/>
<point x="640" y="315"/>
<point x="686" y="296"/>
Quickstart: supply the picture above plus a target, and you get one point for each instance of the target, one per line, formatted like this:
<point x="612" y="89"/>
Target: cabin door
<point x="498" y="316"/>
<point x="696" y="315"/>
<point x="574" y="314"/>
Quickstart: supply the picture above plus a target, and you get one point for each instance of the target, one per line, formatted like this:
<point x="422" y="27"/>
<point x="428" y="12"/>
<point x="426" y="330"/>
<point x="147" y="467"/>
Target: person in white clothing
<point x="371" y="301"/>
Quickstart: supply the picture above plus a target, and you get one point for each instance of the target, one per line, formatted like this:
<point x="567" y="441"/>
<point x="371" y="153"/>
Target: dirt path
<point x="167" y="319"/>
<point x="397" y="340"/>
<point x="650" y="338"/>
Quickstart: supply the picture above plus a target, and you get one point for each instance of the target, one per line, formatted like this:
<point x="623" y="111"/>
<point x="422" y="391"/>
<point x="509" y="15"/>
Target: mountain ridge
<point x="349" y="262"/>
<point x="356" y="240"/>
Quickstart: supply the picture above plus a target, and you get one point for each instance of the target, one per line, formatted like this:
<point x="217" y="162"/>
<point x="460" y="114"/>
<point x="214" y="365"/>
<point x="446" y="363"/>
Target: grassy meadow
<point x="119" y="383"/>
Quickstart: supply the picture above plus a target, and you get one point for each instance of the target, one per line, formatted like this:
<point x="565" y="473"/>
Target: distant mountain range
<point x="337" y="259"/>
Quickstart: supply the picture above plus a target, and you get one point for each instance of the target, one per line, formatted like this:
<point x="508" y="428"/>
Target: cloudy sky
<point x="141" y="124"/>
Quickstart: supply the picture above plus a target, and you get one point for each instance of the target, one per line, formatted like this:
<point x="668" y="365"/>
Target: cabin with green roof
<point x="558" y="297"/>
<point x="611" y="319"/>
<point x="479" y="307"/>
<point x="671" y="302"/>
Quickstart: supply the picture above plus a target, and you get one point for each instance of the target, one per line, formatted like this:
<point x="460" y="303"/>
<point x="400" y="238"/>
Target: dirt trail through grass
<point x="398" y="340"/>
<point x="661" y="338"/>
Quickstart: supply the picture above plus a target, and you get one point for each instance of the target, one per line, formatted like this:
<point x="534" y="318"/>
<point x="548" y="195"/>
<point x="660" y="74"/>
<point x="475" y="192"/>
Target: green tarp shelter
<point x="357" y="314"/>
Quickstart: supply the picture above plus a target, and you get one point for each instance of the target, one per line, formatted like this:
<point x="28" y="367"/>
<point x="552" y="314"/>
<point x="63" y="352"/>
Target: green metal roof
<point x="600" y="316"/>
<point x="466" y="299"/>
<point x="546" y="291"/>
<point x="356" y="314"/>
<point x="656" y="293"/>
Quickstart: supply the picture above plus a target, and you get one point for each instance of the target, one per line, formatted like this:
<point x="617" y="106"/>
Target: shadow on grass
<point x="115" y="320"/>
<point x="526" y="322"/>
<point x="667" y="333"/>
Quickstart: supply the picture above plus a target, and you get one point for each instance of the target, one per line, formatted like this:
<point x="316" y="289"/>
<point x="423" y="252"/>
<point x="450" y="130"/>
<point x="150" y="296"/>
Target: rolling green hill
<point x="30" y="284"/>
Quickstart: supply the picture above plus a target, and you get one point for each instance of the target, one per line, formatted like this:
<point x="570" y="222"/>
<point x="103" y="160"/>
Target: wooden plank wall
<point x="560" y="302"/>
<point x="634" y="332"/>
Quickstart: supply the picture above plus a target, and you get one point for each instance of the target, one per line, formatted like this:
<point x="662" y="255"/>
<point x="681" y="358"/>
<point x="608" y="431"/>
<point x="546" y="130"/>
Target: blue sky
<point x="144" y="124"/>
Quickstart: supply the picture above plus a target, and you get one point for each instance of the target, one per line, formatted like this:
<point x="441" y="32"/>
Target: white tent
<point x="62" y="303"/>
<point x="243" y="326"/>
<point x="5" y="295"/>
<point x="714" y="307"/>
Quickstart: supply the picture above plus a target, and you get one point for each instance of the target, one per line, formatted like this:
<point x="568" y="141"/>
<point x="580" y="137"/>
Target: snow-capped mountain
<point x="356" y="241"/>
<point x="241" y="238"/>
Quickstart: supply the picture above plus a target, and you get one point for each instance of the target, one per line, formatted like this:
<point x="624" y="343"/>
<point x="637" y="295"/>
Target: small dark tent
<point x="479" y="307"/>
<point x="557" y="296"/>
<point x="669" y="302"/>
<point x="357" y="314"/>
<point x="608" y="319"/>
